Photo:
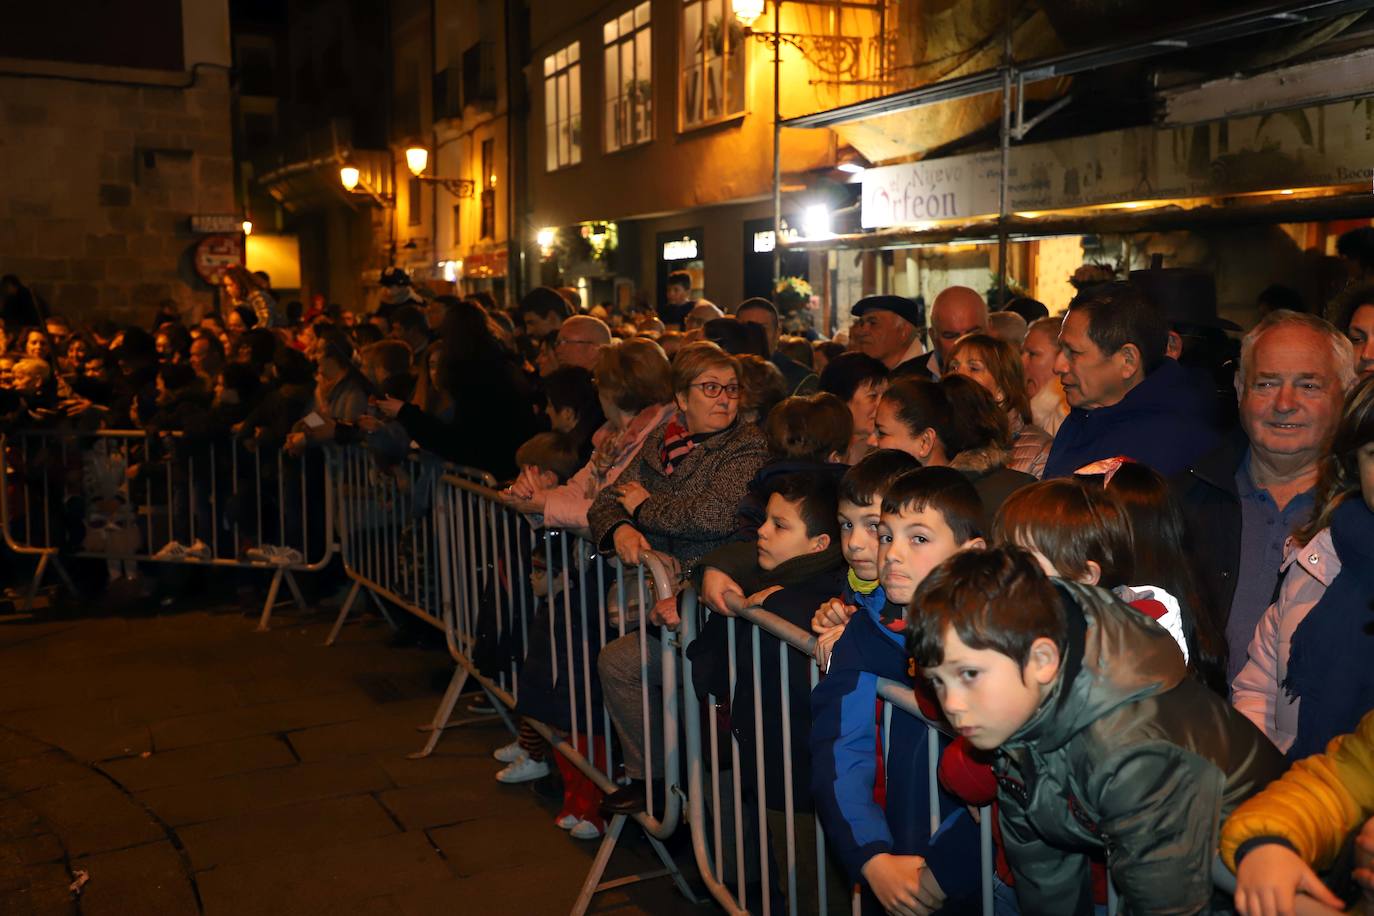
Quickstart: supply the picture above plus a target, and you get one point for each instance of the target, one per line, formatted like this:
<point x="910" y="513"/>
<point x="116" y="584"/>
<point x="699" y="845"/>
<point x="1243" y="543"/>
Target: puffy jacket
<point x="844" y="762"/>
<point x="1162" y="422"/>
<point x="1314" y="807"/>
<point x="1128" y="756"/>
<point x="1030" y="446"/>
<point x="1257" y="690"/>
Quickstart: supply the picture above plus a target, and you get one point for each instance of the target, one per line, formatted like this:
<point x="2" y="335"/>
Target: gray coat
<point x="691" y="512"/>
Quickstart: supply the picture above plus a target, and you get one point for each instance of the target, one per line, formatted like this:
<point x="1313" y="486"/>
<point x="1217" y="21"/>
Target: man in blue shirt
<point x="1247" y="496"/>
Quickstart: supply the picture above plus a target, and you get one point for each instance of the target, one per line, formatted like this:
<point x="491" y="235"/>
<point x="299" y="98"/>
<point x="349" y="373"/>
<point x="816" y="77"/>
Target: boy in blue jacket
<point x="894" y="527"/>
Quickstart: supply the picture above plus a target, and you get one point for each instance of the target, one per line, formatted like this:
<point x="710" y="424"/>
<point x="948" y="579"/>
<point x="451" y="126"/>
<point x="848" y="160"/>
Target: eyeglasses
<point x="713" y="389"/>
<point x="568" y="340"/>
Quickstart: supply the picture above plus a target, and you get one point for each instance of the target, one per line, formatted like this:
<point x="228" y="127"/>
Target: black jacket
<point x="1207" y="493"/>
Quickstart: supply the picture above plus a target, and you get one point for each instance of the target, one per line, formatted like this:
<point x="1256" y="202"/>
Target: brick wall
<point x="97" y="186"/>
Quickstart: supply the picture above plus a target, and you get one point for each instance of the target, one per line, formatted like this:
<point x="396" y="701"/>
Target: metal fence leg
<point x="271" y="599"/>
<point x="295" y="591"/>
<point x="443" y="713"/>
<point x="343" y="613"/>
<point x="33" y="585"/>
<point x="670" y="868"/>
<point x="603" y="858"/>
<point x="381" y="609"/>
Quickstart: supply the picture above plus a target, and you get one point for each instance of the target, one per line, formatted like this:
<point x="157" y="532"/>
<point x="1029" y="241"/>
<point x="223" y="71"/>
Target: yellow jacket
<point x="1315" y="805"/>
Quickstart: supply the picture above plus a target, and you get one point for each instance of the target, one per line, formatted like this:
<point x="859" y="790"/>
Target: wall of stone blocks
<point x="97" y="186"/>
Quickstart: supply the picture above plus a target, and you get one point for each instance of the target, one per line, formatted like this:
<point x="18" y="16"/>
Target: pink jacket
<point x="1256" y="691"/>
<point x="566" y="506"/>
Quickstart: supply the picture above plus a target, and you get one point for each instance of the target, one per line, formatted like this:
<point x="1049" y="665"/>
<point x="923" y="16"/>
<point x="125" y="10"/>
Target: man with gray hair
<point x="579" y="342"/>
<point x="1244" y="498"/>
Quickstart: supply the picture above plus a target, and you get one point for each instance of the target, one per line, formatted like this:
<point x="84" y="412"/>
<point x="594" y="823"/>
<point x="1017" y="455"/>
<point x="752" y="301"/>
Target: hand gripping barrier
<point x="127" y="497"/>
<point x="802" y="840"/>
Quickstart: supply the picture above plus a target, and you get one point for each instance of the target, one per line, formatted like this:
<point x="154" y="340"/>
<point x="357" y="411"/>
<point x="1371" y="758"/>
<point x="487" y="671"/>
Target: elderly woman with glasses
<point x="680" y="497"/>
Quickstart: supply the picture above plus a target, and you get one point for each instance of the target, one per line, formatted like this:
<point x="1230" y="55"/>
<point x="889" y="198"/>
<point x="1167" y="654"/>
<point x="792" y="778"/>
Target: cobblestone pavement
<point x="182" y="764"/>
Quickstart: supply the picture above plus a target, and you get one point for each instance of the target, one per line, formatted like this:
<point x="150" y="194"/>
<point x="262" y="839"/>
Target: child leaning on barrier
<point x="1104" y="742"/>
<point x="1303" y="821"/>
<point x="879" y="824"/>
<point x="794" y="565"/>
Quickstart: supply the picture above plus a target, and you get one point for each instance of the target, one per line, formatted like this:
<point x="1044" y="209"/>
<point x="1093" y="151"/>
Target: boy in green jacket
<point x="1103" y="742"/>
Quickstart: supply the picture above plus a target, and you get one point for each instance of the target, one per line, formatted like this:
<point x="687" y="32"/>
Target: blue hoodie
<point x="1162" y="422"/>
<point x="844" y="762"/>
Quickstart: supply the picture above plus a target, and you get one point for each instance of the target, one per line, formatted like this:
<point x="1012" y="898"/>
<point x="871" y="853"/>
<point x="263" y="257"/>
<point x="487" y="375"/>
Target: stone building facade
<point x="108" y="147"/>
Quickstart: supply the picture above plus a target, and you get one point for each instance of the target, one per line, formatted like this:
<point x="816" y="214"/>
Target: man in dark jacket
<point x="1126" y="397"/>
<point x="1103" y="742"/>
<point x="1246" y="496"/>
<point x="800" y="379"/>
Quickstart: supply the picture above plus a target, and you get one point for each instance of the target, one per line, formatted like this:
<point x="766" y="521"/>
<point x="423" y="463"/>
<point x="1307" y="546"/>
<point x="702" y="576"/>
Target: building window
<point x="414" y="201"/>
<point x="712" y="62"/>
<point x="457" y="225"/>
<point x="629" y="81"/>
<point x="563" y="107"/>
<point x="488" y="180"/>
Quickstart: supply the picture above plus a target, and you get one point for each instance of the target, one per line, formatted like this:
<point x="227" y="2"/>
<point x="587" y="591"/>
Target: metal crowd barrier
<point x="128" y="498"/>
<point x="478" y="554"/>
<point x="706" y="767"/>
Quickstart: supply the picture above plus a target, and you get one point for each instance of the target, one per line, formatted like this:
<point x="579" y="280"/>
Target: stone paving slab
<point x="192" y="766"/>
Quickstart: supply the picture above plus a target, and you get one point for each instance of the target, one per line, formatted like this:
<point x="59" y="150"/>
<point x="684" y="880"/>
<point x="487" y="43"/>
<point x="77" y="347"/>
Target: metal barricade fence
<point x="705" y="765"/>
<point x="127" y="497"/>
<point x="514" y="644"/>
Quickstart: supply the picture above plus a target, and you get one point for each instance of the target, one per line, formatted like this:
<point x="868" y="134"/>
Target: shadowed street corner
<point x="183" y="764"/>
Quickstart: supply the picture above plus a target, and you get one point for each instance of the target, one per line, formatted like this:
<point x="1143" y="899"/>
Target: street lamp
<point x="350" y="176"/>
<point x="248" y="227"/>
<point x="746" y="11"/>
<point x="417" y="160"/>
<point x="417" y="157"/>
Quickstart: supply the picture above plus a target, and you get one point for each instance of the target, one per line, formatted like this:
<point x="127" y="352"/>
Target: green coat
<point x="1128" y="757"/>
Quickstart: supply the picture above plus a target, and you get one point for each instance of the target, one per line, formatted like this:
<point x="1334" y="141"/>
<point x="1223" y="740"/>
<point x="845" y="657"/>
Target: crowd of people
<point x="1123" y="562"/>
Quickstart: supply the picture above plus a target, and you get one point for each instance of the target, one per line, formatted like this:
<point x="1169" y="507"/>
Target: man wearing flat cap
<point x="888" y="328"/>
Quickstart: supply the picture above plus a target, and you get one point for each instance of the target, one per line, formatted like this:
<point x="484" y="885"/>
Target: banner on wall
<point x="1313" y="147"/>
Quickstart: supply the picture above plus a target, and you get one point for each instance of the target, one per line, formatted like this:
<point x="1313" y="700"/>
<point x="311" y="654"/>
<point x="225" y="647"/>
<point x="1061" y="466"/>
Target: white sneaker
<point x="567" y="822"/>
<point x="523" y="770"/>
<point x="585" y="830"/>
<point x="199" y="550"/>
<point x="509" y="753"/>
<point x="172" y="550"/>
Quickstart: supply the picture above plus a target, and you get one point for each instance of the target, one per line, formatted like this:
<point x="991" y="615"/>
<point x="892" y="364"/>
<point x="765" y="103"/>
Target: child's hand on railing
<point x="896" y="882"/>
<point x="759" y="597"/>
<point x="825" y="644"/>
<point x="833" y="613"/>
<point x="716" y="587"/>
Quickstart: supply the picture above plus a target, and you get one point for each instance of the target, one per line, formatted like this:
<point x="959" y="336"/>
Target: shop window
<point x="712" y="62"/>
<point x="563" y="108"/>
<point x="629" y="79"/>
<point x="488" y="189"/>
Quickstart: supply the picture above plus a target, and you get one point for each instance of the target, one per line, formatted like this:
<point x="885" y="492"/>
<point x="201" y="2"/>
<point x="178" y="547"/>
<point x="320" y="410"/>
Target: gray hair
<point x="1342" y="352"/>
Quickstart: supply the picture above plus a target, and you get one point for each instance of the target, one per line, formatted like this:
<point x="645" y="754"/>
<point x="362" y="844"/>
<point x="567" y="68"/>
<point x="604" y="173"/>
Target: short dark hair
<point x="679" y="278"/>
<point x="943" y="489"/>
<point x="736" y="337"/>
<point x="571" y="386"/>
<point x="1070" y="522"/>
<point x="975" y="419"/>
<point x="544" y="301"/>
<point x="1357" y="245"/>
<point x="550" y="451"/>
<point x="873" y="475"/>
<point x="409" y="318"/>
<point x="1119" y="313"/>
<point x="847" y="373"/>
<point x="817" y="497"/>
<point x="809" y="427"/>
<point x="759" y="304"/>
<point x="995" y="599"/>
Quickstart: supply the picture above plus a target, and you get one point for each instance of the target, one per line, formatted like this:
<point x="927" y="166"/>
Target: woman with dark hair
<point x="493" y="401"/>
<point x="995" y="364"/>
<point x="952" y="422"/>
<point x="1308" y="677"/>
<point x="1357" y="321"/>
